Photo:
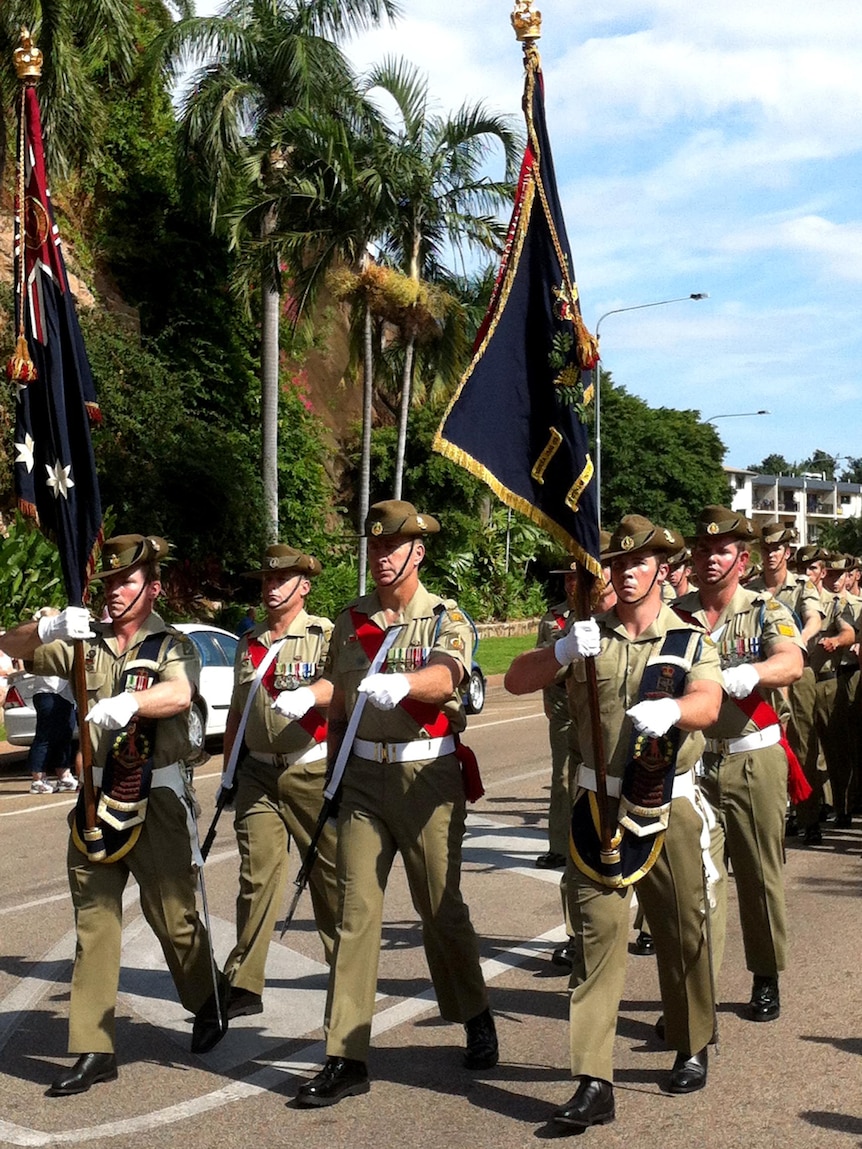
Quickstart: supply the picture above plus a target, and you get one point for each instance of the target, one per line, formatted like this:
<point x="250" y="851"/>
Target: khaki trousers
<point x="802" y="736"/>
<point x="749" y="794"/>
<point x="419" y="810"/>
<point x="837" y="722"/>
<point x="272" y="803"/>
<point x="564" y="763"/>
<point x="161" y="862"/>
<point x="672" y="896"/>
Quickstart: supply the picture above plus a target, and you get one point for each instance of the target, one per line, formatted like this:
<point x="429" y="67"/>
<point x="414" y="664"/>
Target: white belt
<point x="293" y="758"/>
<point x="170" y="776"/>
<point x="769" y="736"/>
<point x="415" y="751"/>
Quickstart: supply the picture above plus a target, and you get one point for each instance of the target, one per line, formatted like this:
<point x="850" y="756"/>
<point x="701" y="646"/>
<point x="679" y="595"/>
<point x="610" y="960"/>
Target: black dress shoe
<point x="564" y="955"/>
<point x="89" y="1069"/>
<point x="791" y="826"/>
<point x="843" y="821"/>
<point x="765" y="1004"/>
<point x="482" y="1049"/>
<point x="812" y="836"/>
<point x="243" y="1003"/>
<point x="550" y="861"/>
<point x="209" y="1028"/>
<point x="644" y="945"/>
<point x="340" y="1077"/>
<point x="689" y="1072"/>
<point x="591" y="1104"/>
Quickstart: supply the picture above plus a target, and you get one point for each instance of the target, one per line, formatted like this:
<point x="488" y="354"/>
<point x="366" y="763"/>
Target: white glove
<point x="294" y="703"/>
<point x="582" y="641"/>
<point x="73" y="622"/>
<point x="114" y="713"/>
<point x="654" y="716"/>
<point x="385" y="690"/>
<point x="739" y="681"/>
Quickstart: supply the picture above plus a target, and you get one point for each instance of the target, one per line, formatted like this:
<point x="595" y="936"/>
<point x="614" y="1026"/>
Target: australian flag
<point x="55" y="470"/>
<point x="518" y="418"/>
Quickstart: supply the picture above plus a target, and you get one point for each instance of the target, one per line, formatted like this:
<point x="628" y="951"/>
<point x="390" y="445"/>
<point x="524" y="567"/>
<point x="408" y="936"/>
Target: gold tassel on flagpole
<point x="28" y="65"/>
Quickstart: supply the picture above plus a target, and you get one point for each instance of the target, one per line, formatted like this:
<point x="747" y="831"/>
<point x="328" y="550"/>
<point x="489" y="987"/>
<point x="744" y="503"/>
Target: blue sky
<point x="710" y="147"/>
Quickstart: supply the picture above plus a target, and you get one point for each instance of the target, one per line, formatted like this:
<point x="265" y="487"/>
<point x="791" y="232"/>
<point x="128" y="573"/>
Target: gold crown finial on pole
<point x="28" y="59"/>
<point x="526" y="21"/>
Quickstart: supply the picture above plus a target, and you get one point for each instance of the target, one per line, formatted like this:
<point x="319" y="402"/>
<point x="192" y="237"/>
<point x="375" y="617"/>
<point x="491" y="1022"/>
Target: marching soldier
<point x="802" y="598"/>
<point x="278" y="712"/>
<point x="836" y="670"/>
<point x="403" y="791"/>
<point x="659" y="684"/>
<point x="565" y="753"/>
<point x="745" y="762"/>
<point x="679" y="572"/>
<point x="141" y="678"/>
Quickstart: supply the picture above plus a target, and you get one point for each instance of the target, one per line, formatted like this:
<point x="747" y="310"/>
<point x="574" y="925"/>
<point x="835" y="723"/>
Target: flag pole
<point x="22" y="371"/>
<point x="527" y="23"/>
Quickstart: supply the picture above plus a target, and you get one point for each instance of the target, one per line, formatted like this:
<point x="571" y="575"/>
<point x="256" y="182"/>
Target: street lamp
<point x="736" y="415"/>
<point x="598" y="398"/>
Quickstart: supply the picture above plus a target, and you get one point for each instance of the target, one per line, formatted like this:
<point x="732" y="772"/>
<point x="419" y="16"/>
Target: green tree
<point x="262" y="58"/>
<point x="773" y="465"/>
<point x="657" y="462"/>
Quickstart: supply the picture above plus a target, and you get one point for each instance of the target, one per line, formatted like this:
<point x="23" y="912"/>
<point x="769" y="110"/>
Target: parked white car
<point x="216" y="648"/>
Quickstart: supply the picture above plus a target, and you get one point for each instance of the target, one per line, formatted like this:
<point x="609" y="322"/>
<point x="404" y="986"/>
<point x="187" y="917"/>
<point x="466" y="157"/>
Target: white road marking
<point x="146" y="984"/>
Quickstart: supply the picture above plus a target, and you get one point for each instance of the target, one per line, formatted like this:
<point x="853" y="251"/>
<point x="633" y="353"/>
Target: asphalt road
<point x="795" y="1082"/>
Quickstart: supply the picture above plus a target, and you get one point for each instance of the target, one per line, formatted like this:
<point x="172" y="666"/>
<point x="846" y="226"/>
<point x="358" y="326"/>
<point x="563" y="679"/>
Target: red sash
<point x="312" y="722"/>
<point x="758" y="711"/>
<point x="432" y="719"/>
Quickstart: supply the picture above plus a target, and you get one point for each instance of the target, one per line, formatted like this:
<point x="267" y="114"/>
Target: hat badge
<point x="627" y="543"/>
<point x="273" y="563"/>
<point x="712" y="528"/>
<point x="420" y="522"/>
<point x="377" y="528"/>
<point x="114" y="560"/>
<point x="668" y="536"/>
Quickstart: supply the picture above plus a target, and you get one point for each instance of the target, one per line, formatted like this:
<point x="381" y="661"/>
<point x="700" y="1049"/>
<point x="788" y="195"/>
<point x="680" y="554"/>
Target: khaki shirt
<point x="431" y="625"/>
<point x="837" y="608"/>
<point x="749" y="630"/>
<point x="800" y="597"/>
<point x="106" y="668"/>
<point x="619" y="669"/>
<point x="299" y="662"/>
<point x="556" y="699"/>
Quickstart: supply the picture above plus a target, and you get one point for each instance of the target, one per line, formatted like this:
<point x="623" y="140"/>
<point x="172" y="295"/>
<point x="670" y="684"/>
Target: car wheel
<point x="475" y="692"/>
<point x="197" y="728"/>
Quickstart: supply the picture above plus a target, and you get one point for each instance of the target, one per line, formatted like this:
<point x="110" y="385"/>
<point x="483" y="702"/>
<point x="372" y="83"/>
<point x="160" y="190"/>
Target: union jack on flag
<point x="55" y="470"/>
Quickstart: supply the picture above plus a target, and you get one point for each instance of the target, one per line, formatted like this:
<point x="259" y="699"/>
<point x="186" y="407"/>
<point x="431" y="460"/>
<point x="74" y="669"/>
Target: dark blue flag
<point x="518" y="418"/>
<point x="55" y="471"/>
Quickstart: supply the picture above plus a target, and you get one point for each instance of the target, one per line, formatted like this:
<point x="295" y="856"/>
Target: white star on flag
<point x="59" y="479"/>
<point x="25" y="452"/>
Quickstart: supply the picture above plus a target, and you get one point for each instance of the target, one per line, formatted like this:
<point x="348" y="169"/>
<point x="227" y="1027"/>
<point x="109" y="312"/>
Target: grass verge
<point x="495" y="654"/>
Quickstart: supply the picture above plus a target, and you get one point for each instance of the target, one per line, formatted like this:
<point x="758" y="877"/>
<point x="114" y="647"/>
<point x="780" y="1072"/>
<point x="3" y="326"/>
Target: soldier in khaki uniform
<point x="745" y="762"/>
<point x="836" y="670"/>
<point x="403" y="792"/>
<point x="625" y="641"/>
<point x="802" y="598"/>
<point x="280" y="775"/>
<point x="141" y="675"/>
<point x="565" y="752"/>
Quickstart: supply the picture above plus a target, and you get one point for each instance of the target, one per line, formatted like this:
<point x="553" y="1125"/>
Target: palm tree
<point x="445" y="201"/>
<point x="86" y="46"/>
<point x="263" y="58"/>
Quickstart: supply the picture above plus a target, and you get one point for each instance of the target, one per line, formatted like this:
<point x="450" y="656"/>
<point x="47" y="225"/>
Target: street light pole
<point x="598" y="374"/>
<point x="736" y="415"/>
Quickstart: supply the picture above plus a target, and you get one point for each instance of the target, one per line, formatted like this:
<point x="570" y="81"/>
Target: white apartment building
<point x="806" y="502"/>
